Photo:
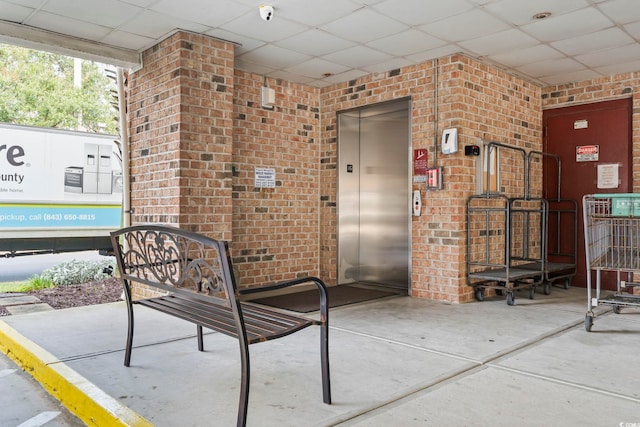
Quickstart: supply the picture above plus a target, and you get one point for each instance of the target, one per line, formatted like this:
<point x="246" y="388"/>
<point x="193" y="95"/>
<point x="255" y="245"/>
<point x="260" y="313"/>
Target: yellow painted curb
<point x="93" y="406"/>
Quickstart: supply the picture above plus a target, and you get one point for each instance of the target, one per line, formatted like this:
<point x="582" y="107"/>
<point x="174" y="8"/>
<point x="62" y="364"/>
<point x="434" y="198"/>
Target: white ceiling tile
<point x="606" y="57"/>
<point x="357" y="56"/>
<point x="577" y="76"/>
<point x="551" y="67"/>
<point x="593" y="41"/>
<point x="35" y="4"/>
<point x="388" y="65"/>
<point x="439" y="52"/>
<point x="157" y="25"/>
<point x="141" y="3"/>
<point x="622" y="11"/>
<point x="252" y="67"/>
<point x="347" y="76"/>
<point x="364" y="25"/>
<point x="620" y="67"/>
<point x="569" y="25"/>
<point x="314" y="13"/>
<point x="633" y="29"/>
<point x="14" y="12"/>
<point x="518" y="57"/>
<point x="215" y="13"/>
<point x="406" y="43"/>
<point x="315" y="42"/>
<point x="499" y="42"/>
<point x="465" y="26"/>
<point x="274" y="57"/>
<point x="251" y="25"/>
<point x="63" y="25"/>
<point x="108" y="13"/>
<point x="521" y="12"/>
<point x="291" y="77"/>
<point x="316" y="67"/>
<point x="128" y="40"/>
<point x="243" y="44"/>
<point x="417" y="12"/>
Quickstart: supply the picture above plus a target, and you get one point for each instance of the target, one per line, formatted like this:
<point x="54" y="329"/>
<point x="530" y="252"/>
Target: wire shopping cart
<point x="612" y="243"/>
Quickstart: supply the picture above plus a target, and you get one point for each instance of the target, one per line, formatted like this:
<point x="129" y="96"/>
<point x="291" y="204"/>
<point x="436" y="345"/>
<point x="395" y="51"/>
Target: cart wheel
<point x="510" y="298"/>
<point x="532" y="292"/>
<point x="567" y="283"/>
<point x="479" y="294"/>
<point x="617" y="309"/>
<point x="588" y="322"/>
<point x="547" y="288"/>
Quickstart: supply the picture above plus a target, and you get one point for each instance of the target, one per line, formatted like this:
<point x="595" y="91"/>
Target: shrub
<point x="76" y="272"/>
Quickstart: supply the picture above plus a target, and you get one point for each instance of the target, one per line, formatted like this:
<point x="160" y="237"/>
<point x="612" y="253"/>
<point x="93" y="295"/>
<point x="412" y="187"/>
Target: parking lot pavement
<point x="25" y="403"/>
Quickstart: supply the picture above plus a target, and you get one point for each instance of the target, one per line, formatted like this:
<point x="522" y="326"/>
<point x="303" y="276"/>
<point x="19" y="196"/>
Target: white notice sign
<point x="265" y="178"/>
<point x="608" y="176"/>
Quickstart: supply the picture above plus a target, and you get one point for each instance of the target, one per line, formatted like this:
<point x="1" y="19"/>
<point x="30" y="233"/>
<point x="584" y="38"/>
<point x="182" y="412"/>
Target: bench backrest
<point x="176" y="260"/>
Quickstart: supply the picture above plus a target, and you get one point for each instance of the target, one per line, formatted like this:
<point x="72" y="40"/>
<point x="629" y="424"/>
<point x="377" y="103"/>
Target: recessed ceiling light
<point x="327" y="74"/>
<point x="541" y="15"/>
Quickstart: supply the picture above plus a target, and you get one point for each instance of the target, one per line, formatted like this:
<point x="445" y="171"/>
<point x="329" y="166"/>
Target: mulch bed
<point x="91" y="293"/>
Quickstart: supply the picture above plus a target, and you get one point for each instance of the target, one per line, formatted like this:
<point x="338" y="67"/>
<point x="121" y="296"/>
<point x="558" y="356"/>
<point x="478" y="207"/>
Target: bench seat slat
<point x="261" y="324"/>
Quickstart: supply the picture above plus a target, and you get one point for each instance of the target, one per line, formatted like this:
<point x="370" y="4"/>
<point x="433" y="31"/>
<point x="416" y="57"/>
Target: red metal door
<point x="585" y="136"/>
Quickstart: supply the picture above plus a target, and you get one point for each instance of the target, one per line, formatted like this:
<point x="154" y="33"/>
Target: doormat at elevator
<point x="308" y="301"/>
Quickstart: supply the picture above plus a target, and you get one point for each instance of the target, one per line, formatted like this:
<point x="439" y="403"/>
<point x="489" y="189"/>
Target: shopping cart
<point x="612" y="243"/>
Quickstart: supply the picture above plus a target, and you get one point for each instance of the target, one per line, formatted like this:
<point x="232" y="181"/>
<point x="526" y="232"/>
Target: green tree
<point x="37" y="89"/>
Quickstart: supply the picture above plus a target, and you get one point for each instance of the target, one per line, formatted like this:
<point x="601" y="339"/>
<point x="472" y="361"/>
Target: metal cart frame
<point x="612" y="243"/>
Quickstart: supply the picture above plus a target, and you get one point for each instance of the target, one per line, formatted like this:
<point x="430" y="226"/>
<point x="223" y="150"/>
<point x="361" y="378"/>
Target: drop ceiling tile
<point x="406" y="43"/>
<point x="519" y="57"/>
<point x="551" y="67"/>
<point x="251" y="25"/>
<point x="633" y="29"/>
<point x="364" y="25"/>
<point x="620" y="67"/>
<point x="577" y="76"/>
<point x="499" y="42"/>
<point x="520" y="12"/>
<point x="14" y="12"/>
<point x="141" y="3"/>
<point x="243" y="44"/>
<point x="346" y="76"/>
<point x="465" y="26"/>
<point x="314" y="13"/>
<point x="622" y="11"/>
<point x="392" y="64"/>
<point x="290" y="77"/>
<point x="157" y="25"/>
<point x="316" y="67"/>
<point x="606" y="57"/>
<point x="569" y="25"/>
<point x="71" y="27"/>
<point x="439" y="52"/>
<point x="357" y="57"/>
<point x="107" y="13"/>
<point x="128" y="40"/>
<point x="315" y="42"/>
<point x="418" y="12"/>
<point x="274" y="57"/>
<point x="213" y="14"/>
<point x="252" y="67"/>
<point x="593" y="41"/>
<point x="35" y="4"/>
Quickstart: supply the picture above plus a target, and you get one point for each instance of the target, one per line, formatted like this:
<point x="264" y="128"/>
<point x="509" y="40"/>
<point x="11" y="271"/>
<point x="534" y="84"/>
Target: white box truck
<point x="59" y="190"/>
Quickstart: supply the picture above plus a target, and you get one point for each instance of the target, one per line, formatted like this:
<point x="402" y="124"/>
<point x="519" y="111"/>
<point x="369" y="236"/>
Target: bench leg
<point x="199" y="334"/>
<point x="324" y="360"/>
<point x="127" y="352"/>
<point x="243" y="405"/>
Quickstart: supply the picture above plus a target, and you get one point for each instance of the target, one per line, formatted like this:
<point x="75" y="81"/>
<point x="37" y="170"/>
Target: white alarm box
<point x="449" y="141"/>
<point x="268" y="97"/>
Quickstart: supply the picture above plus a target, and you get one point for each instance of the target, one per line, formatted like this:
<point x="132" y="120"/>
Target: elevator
<point x="374" y="207"/>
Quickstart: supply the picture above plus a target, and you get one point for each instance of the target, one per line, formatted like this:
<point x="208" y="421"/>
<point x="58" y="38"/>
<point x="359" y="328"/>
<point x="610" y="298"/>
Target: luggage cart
<point x="612" y="243"/>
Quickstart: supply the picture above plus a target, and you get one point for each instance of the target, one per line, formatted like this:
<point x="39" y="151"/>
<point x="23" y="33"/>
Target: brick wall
<point x="180" y="113"/>
<point x="275" y="230"/>
<point x="484" y="104"/>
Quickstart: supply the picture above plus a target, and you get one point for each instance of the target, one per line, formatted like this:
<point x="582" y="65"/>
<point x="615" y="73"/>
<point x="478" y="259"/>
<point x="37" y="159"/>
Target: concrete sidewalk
<point x="394" y="362"/>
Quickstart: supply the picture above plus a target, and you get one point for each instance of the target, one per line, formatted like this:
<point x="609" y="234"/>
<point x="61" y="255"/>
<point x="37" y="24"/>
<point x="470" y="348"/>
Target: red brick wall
<point x="275" y="230"/>
<point x="180" y="113"/>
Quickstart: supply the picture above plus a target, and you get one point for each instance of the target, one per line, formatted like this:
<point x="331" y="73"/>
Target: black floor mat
<point x="307" y="301"/>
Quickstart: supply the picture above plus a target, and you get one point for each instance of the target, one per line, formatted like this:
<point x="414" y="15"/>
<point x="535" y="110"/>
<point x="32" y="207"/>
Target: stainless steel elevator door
<point x="373" y="196"/>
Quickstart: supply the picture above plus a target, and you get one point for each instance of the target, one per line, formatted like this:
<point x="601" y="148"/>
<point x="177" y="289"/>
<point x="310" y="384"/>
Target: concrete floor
<point x="398" y="361"/>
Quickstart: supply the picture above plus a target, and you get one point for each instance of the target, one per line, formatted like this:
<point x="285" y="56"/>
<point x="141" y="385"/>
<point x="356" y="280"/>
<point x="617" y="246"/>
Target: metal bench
<point x="196" y="278"/>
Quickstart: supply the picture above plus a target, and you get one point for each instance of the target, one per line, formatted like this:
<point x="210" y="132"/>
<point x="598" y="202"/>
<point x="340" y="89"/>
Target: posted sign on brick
<point x="587" y="153"/>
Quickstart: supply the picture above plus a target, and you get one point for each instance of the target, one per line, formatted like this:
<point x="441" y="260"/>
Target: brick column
<point x="180" y="118"/>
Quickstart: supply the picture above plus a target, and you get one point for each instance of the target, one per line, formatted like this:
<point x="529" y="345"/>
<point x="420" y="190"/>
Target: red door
<point x="585" y="136"/>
